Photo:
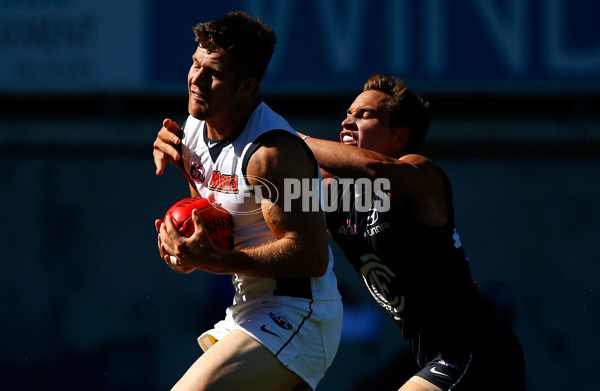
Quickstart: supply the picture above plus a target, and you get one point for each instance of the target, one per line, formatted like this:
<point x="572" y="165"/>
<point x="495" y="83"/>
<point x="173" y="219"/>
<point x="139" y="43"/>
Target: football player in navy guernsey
<point x="400" y="238"/>
<point x="283" y="328"/>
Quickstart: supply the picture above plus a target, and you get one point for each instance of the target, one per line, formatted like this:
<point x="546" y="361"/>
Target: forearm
<point x="345" y="160"/>
<point x="283" y="258"/>
<point x="193" y="190"/>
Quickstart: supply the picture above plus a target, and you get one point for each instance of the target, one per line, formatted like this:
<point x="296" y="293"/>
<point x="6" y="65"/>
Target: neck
<point x="227" y="124"/>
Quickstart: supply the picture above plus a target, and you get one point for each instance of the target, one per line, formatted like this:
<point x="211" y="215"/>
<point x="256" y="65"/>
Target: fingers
<point x="159" y="163"/>
<point x="163" y="154"/>
<point x="165" y="252"/>
<point x="165" y="240"/>
<point x="202" y="239"/>
<point x="184" y="269"/>
<point x="172" y="243"/>
<point x="175" y="264"/>
<point x="170" y="226"/>
<point x="197" y="220"/>
<point x="170" y="132"/>
<point x="171" y="125"/>
<point x="165" y="145"/>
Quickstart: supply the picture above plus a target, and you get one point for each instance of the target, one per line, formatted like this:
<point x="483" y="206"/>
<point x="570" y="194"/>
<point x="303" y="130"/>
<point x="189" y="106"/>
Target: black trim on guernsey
<point x="218" y="145"/>
<point x="298" y="329"/>
<point x="294" y="287"/>
<point x="249" y="152"/>
<point x="258" y="142"/>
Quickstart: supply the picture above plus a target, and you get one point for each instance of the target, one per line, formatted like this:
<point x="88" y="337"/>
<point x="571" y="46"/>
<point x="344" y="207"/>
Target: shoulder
<point x="417" y="160"/>
<point x="280" y="151"/>
<point x="424" y="166"/>
<point x="279" y="140"/>
<point x="412" y="173"/>
<point x="428" y="193"/>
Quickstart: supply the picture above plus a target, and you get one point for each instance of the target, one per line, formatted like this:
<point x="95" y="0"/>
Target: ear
<point x="248" y="87"/>
<point x="401" y="134"/>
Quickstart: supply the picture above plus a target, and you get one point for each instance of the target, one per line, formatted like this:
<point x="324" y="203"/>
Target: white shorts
<point x="303" y="334"/>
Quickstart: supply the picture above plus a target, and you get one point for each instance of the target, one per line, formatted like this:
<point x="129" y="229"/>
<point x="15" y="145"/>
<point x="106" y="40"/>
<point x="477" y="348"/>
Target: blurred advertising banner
<point x="324" y="46"/>
<point x="72" y="45"/>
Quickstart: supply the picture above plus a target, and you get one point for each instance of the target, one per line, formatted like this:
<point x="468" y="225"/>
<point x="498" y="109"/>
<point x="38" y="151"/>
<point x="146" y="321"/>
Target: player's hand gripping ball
<point x="216" y="219"/>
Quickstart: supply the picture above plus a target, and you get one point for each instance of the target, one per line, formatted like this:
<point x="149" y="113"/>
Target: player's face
<point x="367" y="123"/>
<point x="210" y="85"/>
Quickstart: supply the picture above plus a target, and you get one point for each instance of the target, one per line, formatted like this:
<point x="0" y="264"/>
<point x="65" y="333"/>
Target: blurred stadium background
<point x="85" y="302"/>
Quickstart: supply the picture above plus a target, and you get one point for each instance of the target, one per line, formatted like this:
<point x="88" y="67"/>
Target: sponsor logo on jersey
<point x="198" y="173"/>
<point x="372" y="218"/>
<point x="223" y="183"/>
<point x="373" y="228"/>
<point x="377" y="229"/>
<point x="348" y="229"/>
<point x="280" y="321"/>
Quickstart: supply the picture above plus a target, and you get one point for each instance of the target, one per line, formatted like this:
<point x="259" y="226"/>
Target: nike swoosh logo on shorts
<point x="264" y="328"/>
<point x="436" y="372"/>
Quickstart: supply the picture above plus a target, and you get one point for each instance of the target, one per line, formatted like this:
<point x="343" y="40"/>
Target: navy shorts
<point x="470" y="372"/>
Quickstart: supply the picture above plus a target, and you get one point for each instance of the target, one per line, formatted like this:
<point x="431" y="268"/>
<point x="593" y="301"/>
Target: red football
<point x="216" y="220"/>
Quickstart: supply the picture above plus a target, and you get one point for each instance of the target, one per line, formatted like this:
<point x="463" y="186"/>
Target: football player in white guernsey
<point x="284" y="325"/>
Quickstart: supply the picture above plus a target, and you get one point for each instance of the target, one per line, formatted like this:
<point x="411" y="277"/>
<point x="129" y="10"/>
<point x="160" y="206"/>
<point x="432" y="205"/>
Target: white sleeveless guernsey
<point x="219" y="174"/>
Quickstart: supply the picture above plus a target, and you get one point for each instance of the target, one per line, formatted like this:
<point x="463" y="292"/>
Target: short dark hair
<point x="250" y="41"/>
<point x="407" y="109"/>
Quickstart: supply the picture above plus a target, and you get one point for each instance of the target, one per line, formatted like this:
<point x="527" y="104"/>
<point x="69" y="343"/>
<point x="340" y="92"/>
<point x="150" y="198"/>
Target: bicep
<point x="296" y="209"/>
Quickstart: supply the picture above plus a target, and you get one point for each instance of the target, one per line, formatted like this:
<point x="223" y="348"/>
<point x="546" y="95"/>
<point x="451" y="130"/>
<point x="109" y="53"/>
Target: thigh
<point x="238" y="362"/>
<point x="302" y="334"/>
<point x="418" y="384"/>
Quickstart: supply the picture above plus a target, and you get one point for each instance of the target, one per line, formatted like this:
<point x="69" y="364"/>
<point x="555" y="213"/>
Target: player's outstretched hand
<point x="166" y="145"/>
